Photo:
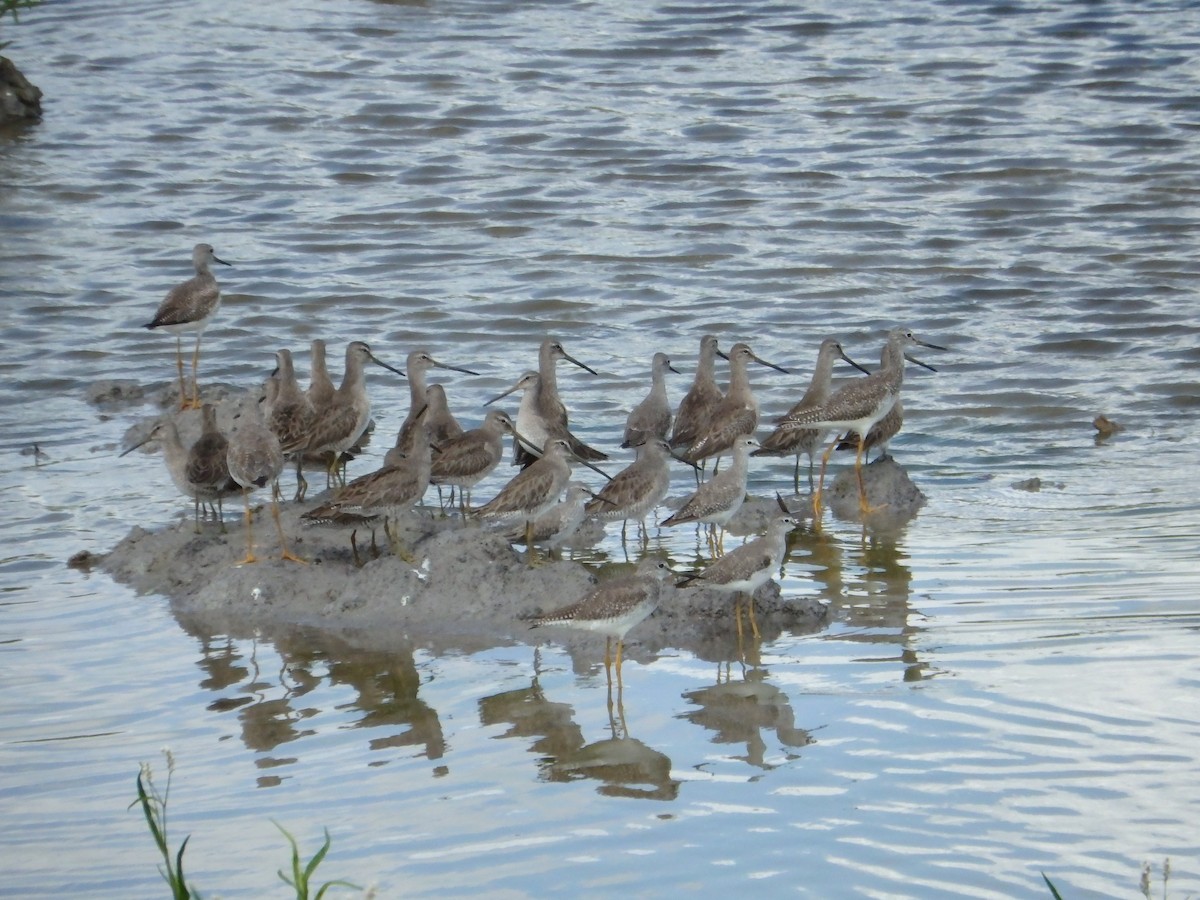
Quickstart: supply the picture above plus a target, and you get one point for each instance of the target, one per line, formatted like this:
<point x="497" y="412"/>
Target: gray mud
<point x="466" y="590"/>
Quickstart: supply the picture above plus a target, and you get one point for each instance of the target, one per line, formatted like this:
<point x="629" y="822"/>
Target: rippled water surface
<point x="1008" y="685"/>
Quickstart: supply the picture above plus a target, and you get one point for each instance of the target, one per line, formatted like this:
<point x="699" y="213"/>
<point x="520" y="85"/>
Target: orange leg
<point x="285" y="553"/>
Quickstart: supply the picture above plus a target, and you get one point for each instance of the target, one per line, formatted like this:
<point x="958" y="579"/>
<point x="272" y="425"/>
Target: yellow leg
<point x="620" y="647"/>
<point x="864" y="506"/>
<point x="530" y="550"/>
<point x="285" y="553"/>
<point x="250" y="557"/>
<point x="183" y="401"/>
<point x="816" y="499"/>
<point x="753" y="622"/>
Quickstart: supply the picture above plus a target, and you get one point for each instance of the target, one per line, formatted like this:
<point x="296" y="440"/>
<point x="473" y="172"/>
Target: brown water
<point x="1009" y="685"/>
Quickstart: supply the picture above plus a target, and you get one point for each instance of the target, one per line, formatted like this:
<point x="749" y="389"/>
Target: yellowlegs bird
<point x="290" y="415"/>
<point x="534" y="489"/>
<point x="784" y="441"/>
<point x="419" y="363"/>
<point x="652" y="417"/>
<point x="742" y="571"/>
<point x="637" y="489"/>
<point x="188" y="307"/>
<point x="717" y="500"/>
<point x="466" y="460"/>
<point x="533" y="430"/>
<point x="548" y="406"/>
<point x="736" y="414"/>
<point x="340" y="425"/>
<point x="702" y="397"/>
<point x="614" y="606"/>
<point x="207" y="468"/>
<point x="888" y="427"/>
<point x="557" y="525"/>
<point x="320" y="385"/>
<point x="858" y="406"/>
<point x="386" y="493"/>
<point x="255" y="460"/>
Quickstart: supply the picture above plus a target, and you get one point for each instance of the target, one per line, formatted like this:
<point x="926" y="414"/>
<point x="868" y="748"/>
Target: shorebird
<point x="466" y="460"/>
<point x="885" y="429"/>
<point x="696" y="407"/>
<point x="806" y="441"/>
<point x="255" y="459"/>
<point x="717" y="500"/>
<point x="438" y="419"/>
<point x="207" y="469"/>
<point x="743" y="570"/>
<point x="533" y="430"/>
<point x="188" y="307"/>
<point x="175" y="455"/>
<point x="534" y="489"/>
<point x="858" y="406"/>
<point x="386" y="492"/>
<point x="637" y="489"/>
<point x="652" y="417"/>
<point x="289" y="414"/>
<point x="736" y="414"/>
<point x="558" y="524"/>
<point x="320" y="386"/>
<point x="613" y="607"/>
<point x="419" y="363"/>
<point x="340" y="425"/>
<point x="548" y="406"/>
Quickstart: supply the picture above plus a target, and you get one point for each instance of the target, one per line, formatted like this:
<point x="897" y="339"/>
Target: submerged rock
<point x="890" y="492"/>
<point x="19" y="100"/>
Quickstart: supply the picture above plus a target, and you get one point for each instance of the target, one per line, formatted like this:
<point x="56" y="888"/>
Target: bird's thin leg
<point x="284" y="552"/>
<point x="250" y="557"/>
<point x="194" y="403"/>
<point x="816" y="501"/>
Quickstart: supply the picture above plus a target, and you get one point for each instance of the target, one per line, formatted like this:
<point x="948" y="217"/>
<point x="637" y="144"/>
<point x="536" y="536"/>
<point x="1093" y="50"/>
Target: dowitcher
<point x="613" y="607"/>
<point x="736" y="414"/>
<point x="697" y="404"/>
<point x="188" y="307"/>
<point x="175" y="455"/>
<point x="386" y="493"/>
<point x="340" y="425"/>
<point x="419" y="363"/>
<point x="290" y="415"/>
<point x="320" y="385"/>
<point x="466" y="460"/>
<point x="652" y="417"/>
<point x="743" y="570"/>
<point x="533" y="490"/>
<point x="207" y="468"/>
<point x="548" y="406"/>
<point x="717" y="500"/>
<point x="806" y="441"/>
<point x="857" y="406"/>
<point x="255" y="460"/>
<point x="534" y="430"/>
<point x="438" y="419"/>
<point x="637" y="489"/>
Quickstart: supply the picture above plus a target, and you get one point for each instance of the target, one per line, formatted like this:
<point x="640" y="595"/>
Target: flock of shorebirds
<point x="540" y="505"/>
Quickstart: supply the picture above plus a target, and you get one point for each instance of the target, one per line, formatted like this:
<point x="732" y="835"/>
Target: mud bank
<point x="466" y="587"/>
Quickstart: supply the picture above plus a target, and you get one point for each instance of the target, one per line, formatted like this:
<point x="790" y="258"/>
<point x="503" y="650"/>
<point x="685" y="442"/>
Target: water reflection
<point x="738" y="710"/>
<point x="625" y="766"/>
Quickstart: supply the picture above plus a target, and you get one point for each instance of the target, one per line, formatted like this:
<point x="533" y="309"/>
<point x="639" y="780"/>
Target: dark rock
<point x="19" y="100"/>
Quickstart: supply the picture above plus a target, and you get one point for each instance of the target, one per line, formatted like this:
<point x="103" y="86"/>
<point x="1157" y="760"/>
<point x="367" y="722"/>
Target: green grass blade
<point x="1053" y="889"/>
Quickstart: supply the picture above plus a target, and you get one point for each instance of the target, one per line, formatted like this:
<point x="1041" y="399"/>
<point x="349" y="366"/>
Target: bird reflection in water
<point x="738" y="711"/>
<point x="625" y="766"/>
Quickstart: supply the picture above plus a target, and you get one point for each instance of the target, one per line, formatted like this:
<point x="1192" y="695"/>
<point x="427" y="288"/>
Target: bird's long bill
<point x="516" y="387"/>
<point x="221" y="261"/>
<point x="529" y="445"/>
<point x="913" y="359"/>
<point x="686" y="462"/>
<point x="769" y="365"/>
<point x="592" y="466"/>
<point x="379" y="362"/>
<point x="927" y="344"/>
<point x="143" y="442"/>
<point x="862" y="369"/>
<point x="569" y="358"/>
<point x="455" y="368"/>
<point x="671" y="368"/>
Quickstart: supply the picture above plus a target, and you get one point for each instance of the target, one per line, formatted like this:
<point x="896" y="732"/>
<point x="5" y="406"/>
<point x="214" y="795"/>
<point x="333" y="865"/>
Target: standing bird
<point x="885" y="429"/>
<point x="858" y="406"/>
<point x="289" y="414"/>
<point x="547" y="406"/>
<point x="702" y="397"/>
<point x="613" y="607"/>
<point x="717" y="500"/>
<point x="175" y="455"/>
<point x="736" y="414"/>
<point x="339" y="426"/>
<point x="533" y="430"/>
<point x="743" y="570"/>
<point x="438" y="419"/>
<point x="255" y="460"/>
<point x="557" y="525"/>
<point x="637" y="489"/>
<point x="320" y="385"/>
<point x="533" y="490"/>
<point x="466" y="460"/>
<point x="783" y="441"/>
<point x="419" y="363"/>
<point x="188" y="307"/>
<point x="652" y="417"/>
<point x="207" y="467"/>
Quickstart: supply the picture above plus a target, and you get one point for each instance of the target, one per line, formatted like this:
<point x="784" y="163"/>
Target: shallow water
<point x="1008" y="685"/>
